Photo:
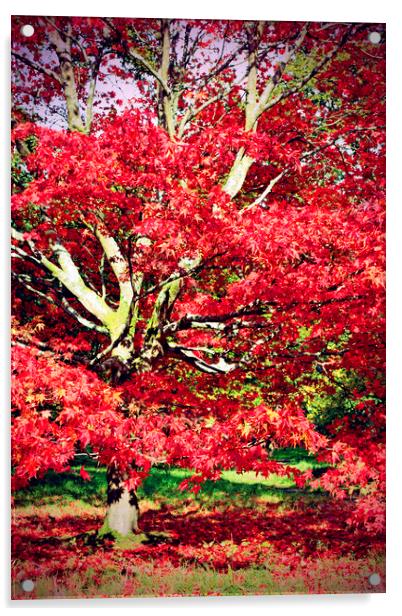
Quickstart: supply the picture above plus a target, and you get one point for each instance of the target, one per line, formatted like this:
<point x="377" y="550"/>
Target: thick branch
<point x="214" y="321"/>
<point x="254" y="110"/>
<point x="91" y="93"/>
<point x="69" y="276"/>
<point x="160" y="314"/>
<point x="187" y="355"/>
<point x="257" y="308"/>
<point x="117" y="262"/>
<point x="251" y="88"/>
<point x="81" y="319"/>
<point x="288" y="56"/>
<point x="136" y="55"/>
<point x="62" y="47"/>
<point x="27" y="282"/>
<point x="68" y="34"/>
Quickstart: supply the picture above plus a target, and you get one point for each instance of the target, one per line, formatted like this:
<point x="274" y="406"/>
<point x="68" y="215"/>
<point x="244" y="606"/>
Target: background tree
<point x="194" y="256"/>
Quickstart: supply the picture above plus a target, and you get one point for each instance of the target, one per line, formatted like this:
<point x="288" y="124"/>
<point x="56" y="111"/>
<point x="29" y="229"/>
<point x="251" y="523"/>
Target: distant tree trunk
<point x="122" y="513"/>
<point x="62" y="47"/>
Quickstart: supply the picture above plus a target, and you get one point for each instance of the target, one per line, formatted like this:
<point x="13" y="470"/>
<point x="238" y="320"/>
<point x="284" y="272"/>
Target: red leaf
<point x="84" y="474"/>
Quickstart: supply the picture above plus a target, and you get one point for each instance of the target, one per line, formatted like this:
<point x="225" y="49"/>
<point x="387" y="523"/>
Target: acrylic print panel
<point x="198" y="307"/>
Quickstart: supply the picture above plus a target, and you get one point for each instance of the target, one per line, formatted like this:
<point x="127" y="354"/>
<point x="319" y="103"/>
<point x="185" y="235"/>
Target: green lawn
<point x="163" y="483"/>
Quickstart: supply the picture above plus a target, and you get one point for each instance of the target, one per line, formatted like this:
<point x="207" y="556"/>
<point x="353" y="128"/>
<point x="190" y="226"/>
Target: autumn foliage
<point x="197" y="263"/>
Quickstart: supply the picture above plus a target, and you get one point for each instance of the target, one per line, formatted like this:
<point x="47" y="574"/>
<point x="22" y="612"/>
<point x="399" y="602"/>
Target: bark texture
<point x="123" y="513"/>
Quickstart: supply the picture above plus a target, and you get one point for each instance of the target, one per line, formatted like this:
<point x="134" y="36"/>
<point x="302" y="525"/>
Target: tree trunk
<point x="238" y="173"/>
<point x="123" y="513"/>
<point x="62" y="46"/>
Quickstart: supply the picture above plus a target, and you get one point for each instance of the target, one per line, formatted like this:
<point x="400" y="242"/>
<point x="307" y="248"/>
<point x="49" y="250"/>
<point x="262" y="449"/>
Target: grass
<point x="328" y="576"/>
<point x="163" y="484"/>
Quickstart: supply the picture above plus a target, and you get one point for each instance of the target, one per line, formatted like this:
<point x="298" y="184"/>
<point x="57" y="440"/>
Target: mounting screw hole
<point x="374" y="37"/>
<point x="28" y="585"/>
<point x="374" y="579"/>
<point x="27" y="30"/>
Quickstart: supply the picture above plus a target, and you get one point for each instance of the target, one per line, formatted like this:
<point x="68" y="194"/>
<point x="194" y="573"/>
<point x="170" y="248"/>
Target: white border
<point x="337" y="10"/>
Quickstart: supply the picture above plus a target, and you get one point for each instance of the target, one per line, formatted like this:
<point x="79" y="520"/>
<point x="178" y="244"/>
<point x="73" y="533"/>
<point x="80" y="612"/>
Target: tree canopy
<point x="198" y="243"/>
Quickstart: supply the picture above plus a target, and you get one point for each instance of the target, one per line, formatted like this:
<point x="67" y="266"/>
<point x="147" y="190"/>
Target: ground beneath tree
<point x="190" y="548"/>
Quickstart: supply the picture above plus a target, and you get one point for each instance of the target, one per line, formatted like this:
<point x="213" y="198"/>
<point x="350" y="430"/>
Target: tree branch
<point x="27" y="281"/>
<point x="266" y="192"/>
<point x="323" y="62"/>
<point x="257" y="308"/>
<point x="218" y="69"/>
<point x="135" y="55"/>
<point x="214" y="321"/>
<point x="68" y="34"/>
<point x="117" y="262"/>
<point x="192" y="112"/>
<point x="37" y="67"/>
<point x="69" y="276"/>
<point x="276" y="77"/>
<point x="101" y="329"/>
<point x="187" y="354"/>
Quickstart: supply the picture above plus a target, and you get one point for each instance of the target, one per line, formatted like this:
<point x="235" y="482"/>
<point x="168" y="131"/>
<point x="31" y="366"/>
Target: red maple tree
<point x="191" y="263"/>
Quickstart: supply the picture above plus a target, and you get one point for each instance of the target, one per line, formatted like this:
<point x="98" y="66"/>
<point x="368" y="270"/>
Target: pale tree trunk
<point x="62" y="46"/>
<point x="242" y="163"/>
<point x="122" y="504"/>
<point x="257" y="103"/>
<point x="166" y="111"/>
<point x="123" y="513"/>
<point x="238" y="173"/>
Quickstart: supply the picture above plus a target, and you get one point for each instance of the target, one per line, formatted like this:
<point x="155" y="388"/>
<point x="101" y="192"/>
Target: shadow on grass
<point x="160" y="485"/>
<point x="68" y="485"/>
<point x="163" y="484"/>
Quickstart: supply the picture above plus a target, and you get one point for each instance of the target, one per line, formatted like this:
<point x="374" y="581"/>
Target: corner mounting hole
<point x="28" y="585"/>
<point x="374" y="579"/>
<point x="374" y="37"/>
<point x="27" y="30"/>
